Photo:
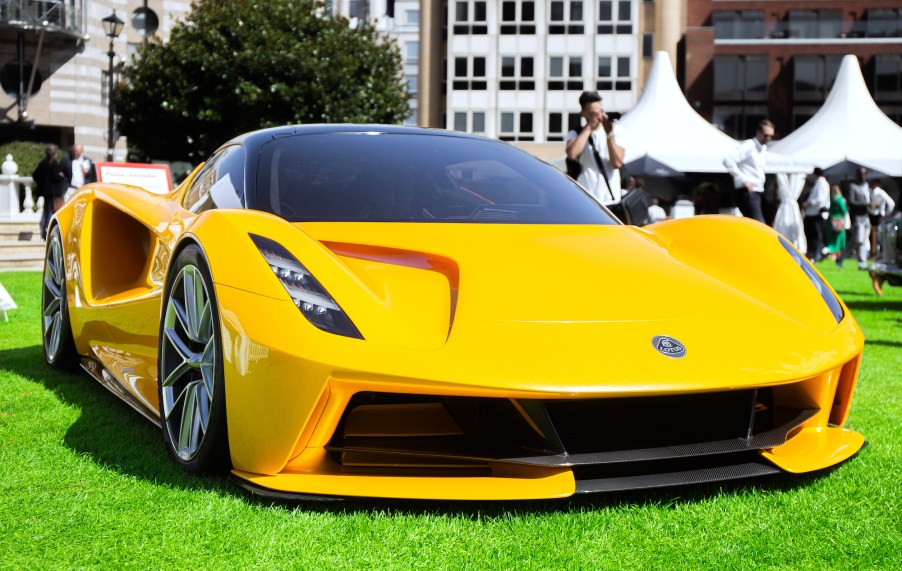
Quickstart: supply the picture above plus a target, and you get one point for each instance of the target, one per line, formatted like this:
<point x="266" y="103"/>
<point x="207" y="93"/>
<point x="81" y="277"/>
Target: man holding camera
<point x="595" y="150"/>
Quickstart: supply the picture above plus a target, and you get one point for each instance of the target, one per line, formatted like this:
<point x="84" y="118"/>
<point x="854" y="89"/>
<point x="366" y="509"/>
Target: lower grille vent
<point x="631" y="442"/>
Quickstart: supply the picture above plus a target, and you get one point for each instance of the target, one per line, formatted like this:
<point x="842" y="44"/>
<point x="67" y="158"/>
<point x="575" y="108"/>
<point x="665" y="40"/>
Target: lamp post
<point x="113" y="27"/>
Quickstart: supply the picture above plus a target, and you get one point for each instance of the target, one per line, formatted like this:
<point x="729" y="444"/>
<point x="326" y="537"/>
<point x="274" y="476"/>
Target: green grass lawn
<point x="85" y="483"/>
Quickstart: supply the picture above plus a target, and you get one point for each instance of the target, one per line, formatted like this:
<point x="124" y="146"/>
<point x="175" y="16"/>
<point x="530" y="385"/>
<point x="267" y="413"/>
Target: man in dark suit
<point x="51" y="179"/>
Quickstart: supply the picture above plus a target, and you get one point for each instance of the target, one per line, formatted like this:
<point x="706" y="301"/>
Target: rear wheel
<point x="191" y="386"/>
<point x="59" y="348"/>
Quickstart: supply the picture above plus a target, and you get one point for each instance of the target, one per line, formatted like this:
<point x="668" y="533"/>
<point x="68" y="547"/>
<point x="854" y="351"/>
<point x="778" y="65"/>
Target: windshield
<point x="395" y="177"/>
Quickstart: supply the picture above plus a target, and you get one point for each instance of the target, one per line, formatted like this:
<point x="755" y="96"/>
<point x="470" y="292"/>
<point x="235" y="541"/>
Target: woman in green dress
<point x="836" y="224"/>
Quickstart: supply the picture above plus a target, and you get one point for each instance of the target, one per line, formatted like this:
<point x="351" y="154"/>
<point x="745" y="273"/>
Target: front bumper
<point x="448" y="447"/>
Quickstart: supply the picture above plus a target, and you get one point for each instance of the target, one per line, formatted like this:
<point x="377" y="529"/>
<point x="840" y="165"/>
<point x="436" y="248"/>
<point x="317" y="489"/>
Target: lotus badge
<point x="668" y="346"/>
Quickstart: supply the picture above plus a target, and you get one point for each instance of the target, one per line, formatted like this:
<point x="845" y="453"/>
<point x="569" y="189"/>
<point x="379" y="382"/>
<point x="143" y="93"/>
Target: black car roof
<point x="255" y="138"/>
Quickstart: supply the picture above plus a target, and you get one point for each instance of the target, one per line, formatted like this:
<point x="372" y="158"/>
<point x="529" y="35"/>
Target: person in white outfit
<point x="595" y="146"/>
<point x="655" y="212"/>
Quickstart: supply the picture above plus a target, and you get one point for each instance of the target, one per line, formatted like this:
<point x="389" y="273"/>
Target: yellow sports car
<point x="346" y="310"/>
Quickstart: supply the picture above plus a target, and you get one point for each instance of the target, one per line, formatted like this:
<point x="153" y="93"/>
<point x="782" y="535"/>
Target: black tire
<point x="190" y="373"/>
<point x="56" y="330"/>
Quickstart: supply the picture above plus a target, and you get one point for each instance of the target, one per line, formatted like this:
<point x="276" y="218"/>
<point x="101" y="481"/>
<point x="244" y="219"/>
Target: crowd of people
<point x="837" y="224"/>
<point x="841" y="225"/>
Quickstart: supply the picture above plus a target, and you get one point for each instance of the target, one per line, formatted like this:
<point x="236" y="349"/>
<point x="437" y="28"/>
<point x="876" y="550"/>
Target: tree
<point x="238" y="66"/>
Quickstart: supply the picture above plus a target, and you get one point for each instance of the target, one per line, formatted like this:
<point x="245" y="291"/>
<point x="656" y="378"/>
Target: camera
<point x="614" y="115"/>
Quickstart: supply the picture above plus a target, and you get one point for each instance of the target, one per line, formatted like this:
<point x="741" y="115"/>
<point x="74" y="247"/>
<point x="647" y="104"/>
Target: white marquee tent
<point x="663" y="135"/>
<point x="848" y="131"/>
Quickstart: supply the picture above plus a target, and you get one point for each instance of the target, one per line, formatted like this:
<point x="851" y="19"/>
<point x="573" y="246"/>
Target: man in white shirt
<point x="746" y="164"/>
<point x="814" y="210"/>
<point x="597" y="143"/>
<point x="655" y="212"/>
<point x="83" y="171"/>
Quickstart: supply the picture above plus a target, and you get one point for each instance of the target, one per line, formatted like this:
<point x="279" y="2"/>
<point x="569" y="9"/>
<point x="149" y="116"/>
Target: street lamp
<point x="113" y="27"/>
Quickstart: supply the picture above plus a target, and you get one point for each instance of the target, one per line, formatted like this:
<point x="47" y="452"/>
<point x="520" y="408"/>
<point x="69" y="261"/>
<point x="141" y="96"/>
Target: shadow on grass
<point x="876" y="304"/>
<point x="108" y="431"/>
<point x="115" y="436"/>
<point x="883" y="343"/>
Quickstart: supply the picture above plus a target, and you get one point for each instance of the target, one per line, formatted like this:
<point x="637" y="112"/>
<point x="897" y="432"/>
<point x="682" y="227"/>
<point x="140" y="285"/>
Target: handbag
<point x="838" y="224"/>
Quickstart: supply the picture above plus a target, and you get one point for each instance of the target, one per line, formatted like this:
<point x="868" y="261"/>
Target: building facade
<point x="399" y="20"/>
<point x="747" y="60"/>
<point x="514" y="69"/>
<point x="65" y="42"/>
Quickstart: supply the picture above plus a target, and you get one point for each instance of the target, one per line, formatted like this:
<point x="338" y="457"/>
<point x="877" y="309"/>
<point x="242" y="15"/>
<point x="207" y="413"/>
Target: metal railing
<point x="64" y="15"/>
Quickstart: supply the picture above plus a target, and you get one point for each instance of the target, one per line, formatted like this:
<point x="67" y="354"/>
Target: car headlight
<point x="308" y="295"/>
<point x="821" y="287"/>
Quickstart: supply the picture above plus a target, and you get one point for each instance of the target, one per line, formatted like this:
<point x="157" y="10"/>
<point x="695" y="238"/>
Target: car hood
<point x="574" y="309"/>
<point x="558" y="274"/>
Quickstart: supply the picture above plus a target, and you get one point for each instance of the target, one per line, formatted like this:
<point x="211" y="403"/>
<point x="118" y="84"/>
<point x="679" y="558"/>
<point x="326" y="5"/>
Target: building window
<point x="470" y="17"/>
<point x="412" y="17"/>
<point x="648" y="44"/>
<point x="413" y="83"/>
<point x="884" y="23"/>
<point x="516" y="126"/>
<point x="565" y="73"/>
<point x="738" y="24"/>
<point x="469" y="122"/>
<point x="411" y="52"/>
<point x="517" y="73"/>
<point x="813" y="76"/>
<point x="605" y="74"/>
<point x="556" y="129"/>
<point x="566" y="17"/>
<point x="469" y="74"/>
<point x="739" y="122"/>
<point x="478" y="122"/>
<point x="615" y="17"/>
<point x="518" y="17"/>
<point x="740" y="78"/>
<point x="460" y="121"/>
<point x="614" y="74"/>
<point x="888" y="77"/>
<point x="814" y="23"/>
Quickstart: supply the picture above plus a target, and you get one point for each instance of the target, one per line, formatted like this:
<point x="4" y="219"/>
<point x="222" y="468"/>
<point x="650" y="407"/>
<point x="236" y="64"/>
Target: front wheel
<point x="191" y="385"/>
<point x="59" y="348"/>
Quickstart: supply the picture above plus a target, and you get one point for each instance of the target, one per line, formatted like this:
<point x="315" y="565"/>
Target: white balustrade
<point x="9" y="194"/>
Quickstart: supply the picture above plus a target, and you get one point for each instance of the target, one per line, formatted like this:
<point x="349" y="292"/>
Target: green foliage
<point x="238" y="66"/>
<point x="26" y="154"/>
<point x="85" y="483"/>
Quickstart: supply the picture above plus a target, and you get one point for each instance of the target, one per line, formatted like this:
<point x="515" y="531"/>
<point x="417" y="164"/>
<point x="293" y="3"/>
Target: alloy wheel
<point x="188" y="363"/>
